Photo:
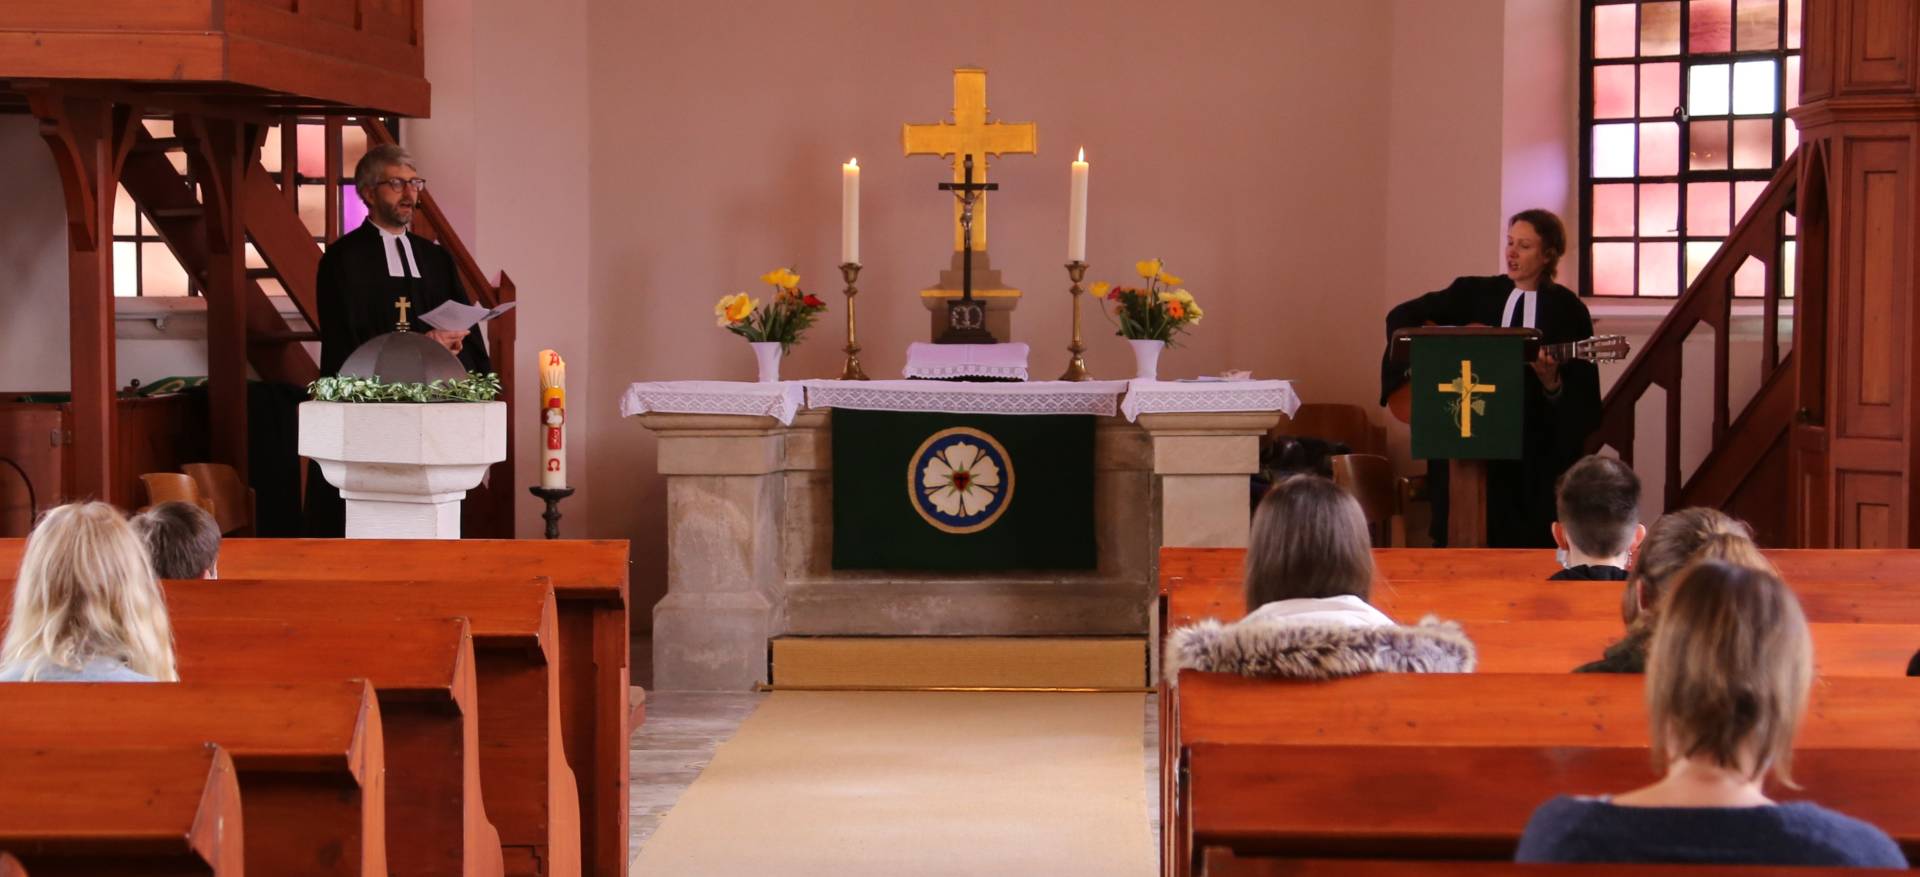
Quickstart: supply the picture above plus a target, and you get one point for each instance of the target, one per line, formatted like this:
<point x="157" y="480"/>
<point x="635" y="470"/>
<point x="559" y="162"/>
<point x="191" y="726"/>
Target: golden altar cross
<point x="970" y="134"/>
<point x="1464" y="387"/>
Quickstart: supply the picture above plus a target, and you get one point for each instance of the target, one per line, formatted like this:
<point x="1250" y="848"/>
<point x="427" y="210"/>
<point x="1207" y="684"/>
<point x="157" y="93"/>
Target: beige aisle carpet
<point x="918" y="783"/>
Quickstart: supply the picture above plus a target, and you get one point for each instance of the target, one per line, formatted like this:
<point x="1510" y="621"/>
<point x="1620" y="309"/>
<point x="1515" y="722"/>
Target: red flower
<point x="813" y="301"/>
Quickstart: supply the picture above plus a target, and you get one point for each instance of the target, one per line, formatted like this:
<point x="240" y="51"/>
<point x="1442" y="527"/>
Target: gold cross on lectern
<point x="1464" y="387"/>
<point x="970" y="134"/>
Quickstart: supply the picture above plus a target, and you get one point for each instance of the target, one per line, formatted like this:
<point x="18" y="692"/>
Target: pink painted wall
<point x="1241" y="141"/>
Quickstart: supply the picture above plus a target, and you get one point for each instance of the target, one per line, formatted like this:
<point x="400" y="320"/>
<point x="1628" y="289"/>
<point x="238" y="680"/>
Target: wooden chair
<point x="174" y="487"/>
<point x="1370" y="479"/>
<point x="232" y="499"/>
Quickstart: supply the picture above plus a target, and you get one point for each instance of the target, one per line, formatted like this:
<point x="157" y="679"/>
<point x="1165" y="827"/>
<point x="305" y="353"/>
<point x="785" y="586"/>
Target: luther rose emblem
<point x="960" y="480"/>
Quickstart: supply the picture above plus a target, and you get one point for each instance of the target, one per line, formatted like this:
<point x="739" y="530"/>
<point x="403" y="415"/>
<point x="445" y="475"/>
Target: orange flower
<point x="1175" y="311"/>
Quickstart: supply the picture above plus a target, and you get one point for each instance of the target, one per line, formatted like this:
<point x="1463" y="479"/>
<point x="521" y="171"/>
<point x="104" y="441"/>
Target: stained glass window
<point x="1683" y="115"/>
<point x="142" y="263"/>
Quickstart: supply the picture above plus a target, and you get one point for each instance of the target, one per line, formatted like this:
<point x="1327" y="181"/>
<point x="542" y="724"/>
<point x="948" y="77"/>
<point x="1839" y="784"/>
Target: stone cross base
<point x="750" y="542"/>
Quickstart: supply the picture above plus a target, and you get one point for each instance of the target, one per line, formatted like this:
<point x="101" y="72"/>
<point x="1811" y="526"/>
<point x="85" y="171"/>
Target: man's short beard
<point x="389" y="214"/>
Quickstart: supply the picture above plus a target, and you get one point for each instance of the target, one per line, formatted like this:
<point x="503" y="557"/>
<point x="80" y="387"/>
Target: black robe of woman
<point x="1520" y="508"/>
<point x="356" y="296"/>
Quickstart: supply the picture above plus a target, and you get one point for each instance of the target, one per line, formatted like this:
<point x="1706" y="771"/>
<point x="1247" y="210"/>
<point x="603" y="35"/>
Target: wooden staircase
<point x="1747" y="469"/>
<point x="173" y="203"/>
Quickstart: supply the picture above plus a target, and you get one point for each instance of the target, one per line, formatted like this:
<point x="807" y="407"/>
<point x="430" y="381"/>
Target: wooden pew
<point x="1222" y="862"/>
<point x="1470" y="709"/>
<point x="1393" y="801"/>
<point x="527" y="787"/>
<point x="171" y="810"/>
<point x="422" y="671"/>
<point x="1893" y="565"/>
<point x="1558" y="646"/>
<point x="309" y="756"/>
<point x="590" y="587"/>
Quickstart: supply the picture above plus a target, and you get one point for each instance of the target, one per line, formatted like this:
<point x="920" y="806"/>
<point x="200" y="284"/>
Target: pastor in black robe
<point x="357" y="297"/>
<point x="1520" y="507"/>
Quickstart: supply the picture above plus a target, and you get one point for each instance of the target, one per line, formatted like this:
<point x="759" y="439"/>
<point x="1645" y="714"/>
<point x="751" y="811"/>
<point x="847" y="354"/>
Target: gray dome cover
<point x="403" y="358"/>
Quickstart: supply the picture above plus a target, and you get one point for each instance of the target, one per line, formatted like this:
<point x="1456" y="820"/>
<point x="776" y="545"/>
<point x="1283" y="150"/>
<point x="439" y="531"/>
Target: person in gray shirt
<point x="86" y="604"/>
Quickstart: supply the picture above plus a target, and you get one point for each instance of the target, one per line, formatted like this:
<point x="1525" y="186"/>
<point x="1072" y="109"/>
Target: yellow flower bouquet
<point x="1156" y="312"/>
<point x="781" y="320"/>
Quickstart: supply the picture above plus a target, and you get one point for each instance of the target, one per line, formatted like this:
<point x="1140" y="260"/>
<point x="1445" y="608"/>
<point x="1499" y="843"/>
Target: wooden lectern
<point x="1468" y="396"/>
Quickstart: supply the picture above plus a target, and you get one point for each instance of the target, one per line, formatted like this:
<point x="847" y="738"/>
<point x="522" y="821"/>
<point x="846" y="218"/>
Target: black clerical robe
<point x="1520" y="509"/>
<point x="356" y="296"/>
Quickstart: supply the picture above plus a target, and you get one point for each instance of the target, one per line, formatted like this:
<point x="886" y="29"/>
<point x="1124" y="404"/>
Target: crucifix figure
<point x="966" y="319"/>
<point x="402" y="305"/>
<point x="969" y="139"/>
<point x="1464" y="387"/>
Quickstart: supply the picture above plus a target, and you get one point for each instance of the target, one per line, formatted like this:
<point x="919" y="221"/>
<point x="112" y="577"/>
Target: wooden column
<point x="1859" y="436"/>
<point x="90" y="138"/>
<point x="220" y="152"/>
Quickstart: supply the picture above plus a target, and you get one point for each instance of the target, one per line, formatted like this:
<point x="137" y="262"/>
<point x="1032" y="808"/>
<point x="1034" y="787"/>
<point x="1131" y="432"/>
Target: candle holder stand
<point x="552" y="497"/>
<point x="852" y="371"/>
<point x="1077" y="365"/>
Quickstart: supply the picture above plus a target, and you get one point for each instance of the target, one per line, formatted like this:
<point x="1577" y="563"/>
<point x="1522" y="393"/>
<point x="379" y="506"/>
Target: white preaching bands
<point x="394" y="267"/>
<point x="1514" y="298"/>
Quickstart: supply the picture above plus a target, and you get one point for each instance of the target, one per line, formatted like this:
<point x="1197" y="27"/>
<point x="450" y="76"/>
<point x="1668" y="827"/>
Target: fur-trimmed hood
<point x="1318" y="651"/>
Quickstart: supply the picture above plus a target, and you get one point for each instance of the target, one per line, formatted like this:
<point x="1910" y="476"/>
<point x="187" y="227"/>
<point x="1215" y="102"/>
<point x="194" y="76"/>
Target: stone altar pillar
<point x="1201" y="466"/>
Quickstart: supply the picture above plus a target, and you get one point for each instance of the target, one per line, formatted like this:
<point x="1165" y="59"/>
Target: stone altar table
<point x="749" y="496"/>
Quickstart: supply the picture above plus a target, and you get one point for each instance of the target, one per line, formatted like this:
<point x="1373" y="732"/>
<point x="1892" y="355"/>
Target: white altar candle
<point x="1077" y="212"/>
<point x="850" y="212"/>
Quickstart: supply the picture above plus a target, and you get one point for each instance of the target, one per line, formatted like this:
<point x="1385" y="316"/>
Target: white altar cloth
<point x="1182" y="397"/>
<point x="781" y="400"/>
<point x="928" y="360"/>
<point x="778" y="399"/>
<point x="1098" y="398"/>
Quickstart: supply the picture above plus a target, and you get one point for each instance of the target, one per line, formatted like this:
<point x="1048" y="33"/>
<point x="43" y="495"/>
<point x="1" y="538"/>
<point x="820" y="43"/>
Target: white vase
<point x="767" y="355"/>
<point x="1146" y="359"/>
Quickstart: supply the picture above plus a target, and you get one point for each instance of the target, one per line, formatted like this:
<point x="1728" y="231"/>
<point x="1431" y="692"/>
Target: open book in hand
<point x="453" y="316"/>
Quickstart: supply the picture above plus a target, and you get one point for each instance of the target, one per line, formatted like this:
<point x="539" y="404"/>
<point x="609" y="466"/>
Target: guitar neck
<point x="1565" y="350"/>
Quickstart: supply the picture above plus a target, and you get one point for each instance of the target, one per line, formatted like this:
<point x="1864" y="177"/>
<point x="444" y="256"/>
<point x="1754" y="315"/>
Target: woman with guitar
<point x="1562" y="393"/>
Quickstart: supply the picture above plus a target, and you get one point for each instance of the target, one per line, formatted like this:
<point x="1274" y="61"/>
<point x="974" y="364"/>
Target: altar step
<point x="954" y="662"/>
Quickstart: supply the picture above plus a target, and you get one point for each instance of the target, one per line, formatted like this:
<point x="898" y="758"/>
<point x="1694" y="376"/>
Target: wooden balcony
<point x="277" y="56"/>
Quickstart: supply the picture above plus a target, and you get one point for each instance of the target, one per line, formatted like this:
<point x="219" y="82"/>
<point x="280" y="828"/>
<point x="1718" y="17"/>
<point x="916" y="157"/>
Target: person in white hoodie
<point x="1309" y="569"/>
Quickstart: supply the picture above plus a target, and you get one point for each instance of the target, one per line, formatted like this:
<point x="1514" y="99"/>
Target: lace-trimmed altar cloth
<point x="926" y="360"/>
<point x="779" y="400"/>
<point x="1098" y="398"/>
<point x="1180" y="397"/>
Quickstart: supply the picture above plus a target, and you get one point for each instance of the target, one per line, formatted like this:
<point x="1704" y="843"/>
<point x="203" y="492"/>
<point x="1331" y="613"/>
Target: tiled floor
<point x="683" y="729"/>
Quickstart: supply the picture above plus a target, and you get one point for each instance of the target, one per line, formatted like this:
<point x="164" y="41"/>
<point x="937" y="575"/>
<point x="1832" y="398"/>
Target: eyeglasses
<point x="396" y="186"/>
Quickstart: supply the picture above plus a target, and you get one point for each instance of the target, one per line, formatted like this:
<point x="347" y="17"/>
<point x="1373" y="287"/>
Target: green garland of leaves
<point x="346" y="388"/>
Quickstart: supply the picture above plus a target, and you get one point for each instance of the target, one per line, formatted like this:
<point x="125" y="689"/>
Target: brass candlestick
<point x="1077" y="366"/>
<point x="852" y="371"/>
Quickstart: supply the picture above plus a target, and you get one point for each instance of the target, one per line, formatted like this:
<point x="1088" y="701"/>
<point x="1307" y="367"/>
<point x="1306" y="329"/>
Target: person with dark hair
<point x="1309" y="569"/>
<point x="1727" y="682"/>
<point x="182" y="538"/>
<point x="1598" y="526"/>
<point x="364" y="275"/>
<point x="1562" y="399"/>
<point x="1676" y="541"/>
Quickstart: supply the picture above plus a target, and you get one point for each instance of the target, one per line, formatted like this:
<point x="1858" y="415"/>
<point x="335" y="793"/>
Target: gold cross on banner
<point x="970" y="134"/>
<point x="1464" y="387"/>
<point x="402" y="306"/>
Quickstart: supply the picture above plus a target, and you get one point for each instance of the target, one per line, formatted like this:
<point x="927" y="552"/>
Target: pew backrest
<point x="111" y="811"/>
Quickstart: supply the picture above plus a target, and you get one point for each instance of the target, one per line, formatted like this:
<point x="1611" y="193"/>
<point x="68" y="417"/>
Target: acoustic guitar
<point x="1599" y="348"/>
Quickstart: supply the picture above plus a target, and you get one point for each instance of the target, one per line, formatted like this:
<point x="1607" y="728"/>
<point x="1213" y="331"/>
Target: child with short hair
<point x="86" y="605"/>
<point x="1598" y="527"/>
<point x="1727" y="681"/>
<point x="182" y="538"/>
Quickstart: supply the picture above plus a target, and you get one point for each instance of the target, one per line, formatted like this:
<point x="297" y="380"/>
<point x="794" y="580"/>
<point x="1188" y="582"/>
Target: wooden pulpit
<point x="1468" y="397"/>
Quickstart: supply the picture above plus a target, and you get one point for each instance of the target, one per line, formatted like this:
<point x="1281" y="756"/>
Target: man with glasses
<point x="363" y="276"/>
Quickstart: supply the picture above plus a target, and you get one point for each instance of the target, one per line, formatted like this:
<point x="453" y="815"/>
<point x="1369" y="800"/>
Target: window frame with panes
<point x="1647" y="220"/>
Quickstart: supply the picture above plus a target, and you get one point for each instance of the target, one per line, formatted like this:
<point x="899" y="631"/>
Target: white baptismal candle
<point x="1077" y="212"/>
<point x="850" y="211"/>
